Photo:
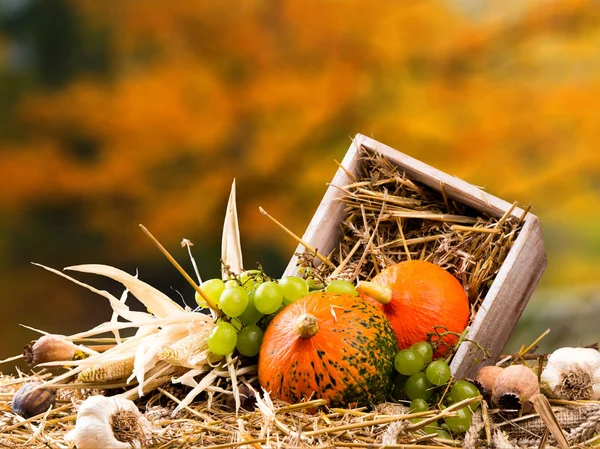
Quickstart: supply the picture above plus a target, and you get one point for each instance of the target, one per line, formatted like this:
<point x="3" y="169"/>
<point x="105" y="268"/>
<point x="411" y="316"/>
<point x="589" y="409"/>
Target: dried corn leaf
<point x="157" y="302"/>
<point x="231" y="247"/>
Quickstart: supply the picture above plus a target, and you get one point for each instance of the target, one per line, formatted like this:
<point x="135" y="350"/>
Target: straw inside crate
<point x="389" y="218"/>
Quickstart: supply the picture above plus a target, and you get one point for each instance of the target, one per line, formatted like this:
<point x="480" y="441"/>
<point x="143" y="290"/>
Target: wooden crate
<point x="514" y="283"/>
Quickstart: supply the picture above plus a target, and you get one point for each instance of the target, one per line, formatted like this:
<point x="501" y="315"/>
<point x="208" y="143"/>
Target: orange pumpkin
<point x="416" y="296"/>
<point x="336" y="347"/>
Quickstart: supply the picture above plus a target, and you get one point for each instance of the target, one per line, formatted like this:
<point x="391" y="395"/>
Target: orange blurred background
<point x="116" y="113"/>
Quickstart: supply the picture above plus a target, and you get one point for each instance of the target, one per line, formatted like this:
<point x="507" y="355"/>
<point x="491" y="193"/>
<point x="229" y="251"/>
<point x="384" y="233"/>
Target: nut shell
<point x="513" y="388"/>
<point x="29" y="401"/>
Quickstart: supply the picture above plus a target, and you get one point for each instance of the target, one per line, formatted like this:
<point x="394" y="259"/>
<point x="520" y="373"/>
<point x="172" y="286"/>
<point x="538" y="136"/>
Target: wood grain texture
<point x="515" y="282"/>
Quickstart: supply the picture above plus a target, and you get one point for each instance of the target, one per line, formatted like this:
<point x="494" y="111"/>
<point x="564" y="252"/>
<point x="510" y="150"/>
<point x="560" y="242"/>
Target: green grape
<point x="211" y="288"/>
<point x="222" y="338"/>
<point x="418" y="405"/>
<point x="438" y="372"/>
<point x="250" y="315"/>
<point x="231" y="283"/>
<point x="249" y="340"/>
<point x="233" y="301"/>
<point x="425" y="349"/>
<point x="409" y="362"/>
<point x="268" y="297"/>
<point x="418" y="387"/>
<point x="342" y="287"/>
<point x="462" y="390"/>
<point x="461" y="422"/>
<point x="442" y="434"/>
<point x="314" y="285"/>
<point x="251" y="279"/>
<point x="293" y="288"/>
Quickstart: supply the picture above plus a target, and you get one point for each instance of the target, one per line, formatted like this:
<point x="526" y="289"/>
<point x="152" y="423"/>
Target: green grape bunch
<point x="428" y="383"/>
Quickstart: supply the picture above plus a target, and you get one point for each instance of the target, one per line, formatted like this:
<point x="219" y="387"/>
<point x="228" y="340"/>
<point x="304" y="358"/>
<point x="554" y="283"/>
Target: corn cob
<point x="104" y="372"/>
<point x="186" y="351"/>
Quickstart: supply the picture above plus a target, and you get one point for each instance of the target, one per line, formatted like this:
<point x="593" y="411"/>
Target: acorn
<point x="484" y="381"/>
<point x="29" y="401"/>
<point x="513" y="388"/>
<point x="49" y="348"/>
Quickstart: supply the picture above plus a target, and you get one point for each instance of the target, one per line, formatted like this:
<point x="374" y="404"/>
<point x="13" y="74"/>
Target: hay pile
<point x="264" y="423"/>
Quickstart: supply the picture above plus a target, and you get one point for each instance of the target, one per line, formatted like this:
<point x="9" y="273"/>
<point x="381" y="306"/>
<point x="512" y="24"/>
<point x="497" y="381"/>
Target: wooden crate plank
<point x="505" y="301"/>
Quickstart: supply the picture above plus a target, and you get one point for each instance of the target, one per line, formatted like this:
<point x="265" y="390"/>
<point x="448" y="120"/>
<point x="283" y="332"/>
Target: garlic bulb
<point x="573" y="373"/>
<point x="103" y="422"/>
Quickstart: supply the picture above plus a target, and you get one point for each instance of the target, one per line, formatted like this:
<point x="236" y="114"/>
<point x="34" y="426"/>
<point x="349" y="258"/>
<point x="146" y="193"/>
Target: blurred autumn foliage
<point x="114" y="113"/>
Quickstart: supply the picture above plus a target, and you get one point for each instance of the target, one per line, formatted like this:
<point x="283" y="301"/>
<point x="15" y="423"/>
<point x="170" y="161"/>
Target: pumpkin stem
<point x="378" y="292"/>
<point x="307" y="325"/>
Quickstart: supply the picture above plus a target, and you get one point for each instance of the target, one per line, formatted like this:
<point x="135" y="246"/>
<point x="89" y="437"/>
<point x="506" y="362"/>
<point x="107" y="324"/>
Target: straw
<point x="389" y="218"/>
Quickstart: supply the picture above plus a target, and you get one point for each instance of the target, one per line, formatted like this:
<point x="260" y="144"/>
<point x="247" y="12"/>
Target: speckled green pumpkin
<point x="348" y="361"/>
